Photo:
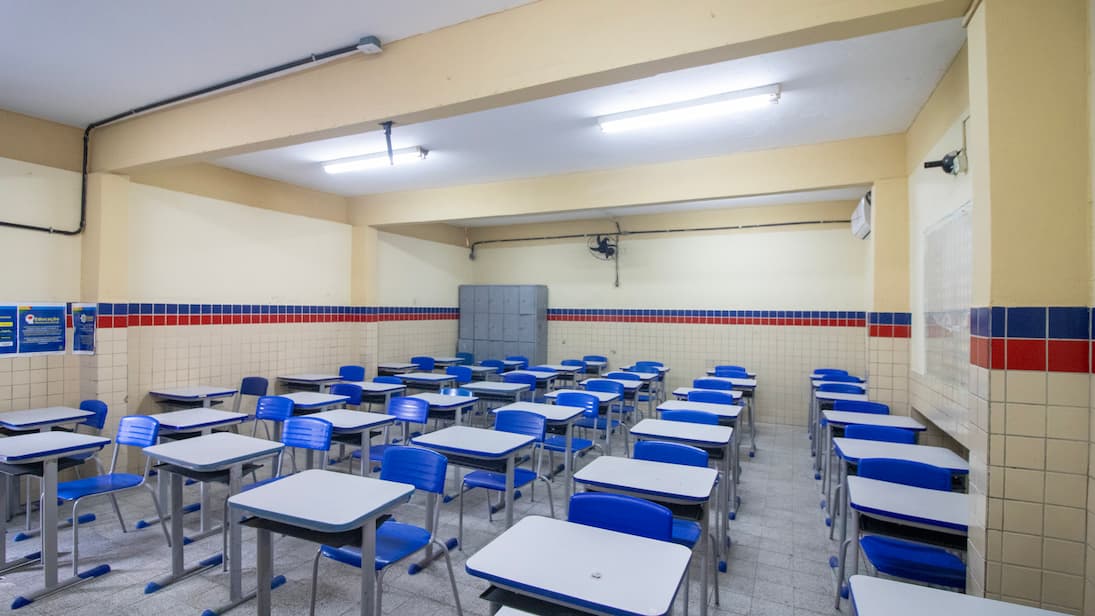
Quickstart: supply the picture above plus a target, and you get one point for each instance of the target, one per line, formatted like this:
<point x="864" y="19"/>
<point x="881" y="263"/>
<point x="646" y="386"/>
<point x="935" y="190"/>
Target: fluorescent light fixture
<point x="695" y="109"/>
<point x="375" y="161"/>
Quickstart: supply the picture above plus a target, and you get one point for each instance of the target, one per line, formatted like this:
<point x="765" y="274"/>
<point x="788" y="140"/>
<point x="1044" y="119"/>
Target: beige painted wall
<point x="189" y="248"/>
<point x="40" y="141"/>
<point x="417" y="272"/>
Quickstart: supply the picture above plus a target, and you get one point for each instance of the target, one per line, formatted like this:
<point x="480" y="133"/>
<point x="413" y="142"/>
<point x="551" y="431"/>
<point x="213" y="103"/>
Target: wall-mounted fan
<point x="603" y="247"/>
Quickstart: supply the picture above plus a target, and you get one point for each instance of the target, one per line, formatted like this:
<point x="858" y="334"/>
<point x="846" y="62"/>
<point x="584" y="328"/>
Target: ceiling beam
<point x="543" y="49"/>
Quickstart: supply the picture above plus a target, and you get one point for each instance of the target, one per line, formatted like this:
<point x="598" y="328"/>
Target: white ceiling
<point x="871" y="85"/>
<point x="851" y="193"/>
<point x="74" y="61"/>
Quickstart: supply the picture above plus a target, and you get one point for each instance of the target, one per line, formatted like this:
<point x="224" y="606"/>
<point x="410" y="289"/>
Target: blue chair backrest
<point x="273" y="408"/>
<point x="422" y="468"/>
<point x="573" y="362"/>
<point x="307" y="433"/>
<point x="672" y="453"/>
<point x="842" y="378"/>
<point x="347" y="389"/>
<point x="595" y="358"/>
<point x="424" y="362"/>
<point x="520" y="358"/>
<point x="454" y="391"/>
<point x="841" y="388"/>
<point x="645" y="369"/>
<point x="391" y="380"/>
<point x="887" y="434"/>
<point x="712" y="397"/>
<point x="711" y="384"/>
<point x="540" y="369"/>
<point x="604" y="385"/>
<point x="577" y="399"/>
<point x="829" y="371"/>
<point x="906" y="472"/>
<point x="98" y="420"/>
<point x="462" y="373"/>
<point x="411" y="410"/>
<point x="521" y="422"/>
<point x="648" y="362"/>
<point x="254" y="386"/>
<point x="527" y="379"/>
<point x="352" y="373"/>
<point x="731" y="371"/>
<point x="698" y="417"/>
<point x="466" y="359"/>
<point x="623" y="376"/>
<point x="623" y="514"/>
<point x="861" y="406"/>
<point x="493" y="363"/>
<point x="137" y="431"/>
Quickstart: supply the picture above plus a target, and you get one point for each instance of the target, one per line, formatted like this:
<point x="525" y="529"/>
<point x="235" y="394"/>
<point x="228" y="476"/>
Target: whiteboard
<point x="948" y="284"/>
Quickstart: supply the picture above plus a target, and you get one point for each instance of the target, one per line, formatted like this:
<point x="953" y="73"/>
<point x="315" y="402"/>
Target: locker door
<point x="497" y="299"/>
<point x="482" y="299"/>
<point x="527" y="300"/>
<point x="511" y="299"/>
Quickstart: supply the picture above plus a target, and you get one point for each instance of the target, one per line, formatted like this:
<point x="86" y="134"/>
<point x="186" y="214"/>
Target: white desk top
<point x="660" y="369"/>
<point x="473" y="442"/>
<point x="878" y="597"/>
<point x="602" y="396"/>
<point x="397" y="365"/>
<point x="736" y="382"/>
<point x="553" y="413"/>
<point x="854" y="450"/>
<point x="369" y="387"/>
<point x="438" y="401"/>
<point x="845" y="418"/>
<point x="212" y="452"/>
<point x="447" y="360"/>
<point x="39" y="446"/>
<point x="684" y="391"/>
<point x="722" y="410"/>
<point x="701" y="434"/>
<point x="510" y="362"/>
<point x="310" y="377"/>
<point x="495" y="387"/>
<point x="816" y="377"/>
<point x="305" y="400"/>
<point x="193" y="420"/>
<point x="816" y="382"/>
<point x="628" y="385"/>
<point x="658" y="480"/>
<point x="583" y="566"/>
<point x="423" y="377"/>
<point x="195" y="392"/>
<point x="540" y="376"/>
<point x="562" y="368"/>
<point x="482" y="369"/>
<point x="933" y="508"/>
<point x="644" y="377"/>
<point x="836" y="395"/>
<point x="34" y="419"/>
<point x="345" y="420"/>
<point x="324" y="501"/>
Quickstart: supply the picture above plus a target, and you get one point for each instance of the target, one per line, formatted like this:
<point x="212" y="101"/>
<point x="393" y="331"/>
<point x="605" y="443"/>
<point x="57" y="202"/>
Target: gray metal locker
<point x="497" y="299"/>
<point x="510" y="326"/>
<point x="482" y="325"/>
<point x="497" y="321"/>
<point x="482" y="300"/>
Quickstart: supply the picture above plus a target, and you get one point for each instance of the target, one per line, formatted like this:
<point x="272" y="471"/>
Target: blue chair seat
<point x="686" y="532"/>
<point x="497" y="481"/>
<point x="79" y="488"/>
<point x="914" y="561"/>
<point x="394" y="542"/>
<point x="559" y="444"/>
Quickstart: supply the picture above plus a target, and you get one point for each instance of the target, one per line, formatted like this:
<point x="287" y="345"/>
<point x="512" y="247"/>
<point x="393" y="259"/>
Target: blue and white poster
<point x="8" y="333"/>
<point x="83" y="329"/>
<point x="41" y="329"/>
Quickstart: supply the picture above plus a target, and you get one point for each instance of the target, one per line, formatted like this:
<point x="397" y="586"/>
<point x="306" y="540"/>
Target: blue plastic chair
<point x="711" y="396"/>
<point x="497" y="364"/>
<point x="604" y="424"/>
<point x="842" y="388"/>
<point x="466" y="359"/>
<point x="861" y="406"/>
<point x="138" y="431"/>
<point x="906" y="559"/>
<point x="406" y="411"/>
<point x="829" y="371"/>
<point x="589" y="358"/>
<point x="352" y="373"/>
<point x="556" y="443"/>
<point x="391" y="380"/>
<point x="462" y="373"/>
<point x="842" y="378"/>
<point x="524" y="379"/>
<point x="397" y="541"/>
<point x="881" y="433"/>
<point x="274" y="409"/>
<point x="96" y="423"/>
<point x="454" y="391"/>
<point x="540" y="369"/>
<point x="709" y="383"/>
<point x="350" y="390"/>
<point x="690" y="416"/>
<point x="622" y="514"/>
<point x="425" y="363"/>
<point x="514" y="422"/>
<point x="629" y="376"/>
<point x="574" y="362"/>
<point x="255" y="386"/>
<point x="521" y="358"/>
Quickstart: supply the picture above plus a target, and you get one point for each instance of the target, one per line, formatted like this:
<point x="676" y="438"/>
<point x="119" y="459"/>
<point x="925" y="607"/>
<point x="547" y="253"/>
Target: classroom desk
<point x="334" y="504"/>
<point x="748" y="387"/>
<point x="543" y="379"/>
<point x="445" y="362"/>
<point x="566" y="373"/>
<point x="842" y="419"/>
<point x="816" y="399"/>
<point x="311" y="401"/>
<point x="681" y="393"/>
<point x="37" y="454"/>
<point x="580" y="567"/>
<point x="378" y="392"/>
<point x="727" y="413"/>
<point x="427" y="380"/>
<point x="606" y="400"/>
<point x="633" y="387"/>
<point x="345" y="422"/>
<point x="456" y="404"/>
<point x="479" y="448"/>
<point x="203" y="394"/>
<point x="705" y="437"/>
<point x="932" y="510"/>
<point x="395" y="368"/>
<point x="206" y="458"/>
<point x="598" y="366"/>
<point x="662" y="370"/>
<point x="481" y="373"/>
<point x="850" y="451"/>
<point x="659" y="482"/>
<point x="873" y="596"/>
<point x="496" y="391"/>
<point x="41" y="420"/>
<point x="320" y="381"/>
<point x="556" y="415"/>
<point x="815" y="381"/>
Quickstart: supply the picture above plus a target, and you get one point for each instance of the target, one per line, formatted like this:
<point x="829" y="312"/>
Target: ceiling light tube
<point x="695" y="109"/>
<point x="377" y="160"/>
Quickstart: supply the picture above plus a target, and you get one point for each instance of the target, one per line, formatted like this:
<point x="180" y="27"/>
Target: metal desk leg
<point x="731" y="471"/>
<point x="568" y="471"/>
<point x="368" y="574"/>
<point x="265" y="571"/>
<point x="234" y="537"/>
<point x="179" y="571"/>
<point x="825" y="453"/>
<point x="509" y="488"/>
<point x="705" y="563"/>
<point x="752" y="424"/>
<point x="6" y="566"/>
<point x="853" y="567"/>
<point x="366" y="444"/>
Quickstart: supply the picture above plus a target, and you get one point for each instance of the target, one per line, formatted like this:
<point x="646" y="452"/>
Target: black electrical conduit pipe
<point x="574" y="236"/>
<point x="319" y="57"/>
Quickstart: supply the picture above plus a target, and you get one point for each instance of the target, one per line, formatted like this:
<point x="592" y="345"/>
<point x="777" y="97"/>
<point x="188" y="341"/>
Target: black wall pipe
<point x="326" y="55"/>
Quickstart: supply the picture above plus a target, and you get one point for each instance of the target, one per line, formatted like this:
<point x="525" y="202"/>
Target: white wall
<point x="35" y="265"/>
<point x="808" y="268"/>
<point x="415" y="272"/>
<point x="188" y="248"/>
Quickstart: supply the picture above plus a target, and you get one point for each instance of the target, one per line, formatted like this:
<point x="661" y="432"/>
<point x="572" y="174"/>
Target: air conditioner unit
<point x="861" y="218"/>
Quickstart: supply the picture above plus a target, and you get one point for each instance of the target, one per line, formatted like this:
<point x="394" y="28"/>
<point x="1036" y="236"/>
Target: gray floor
<point x="777" y="562"/>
